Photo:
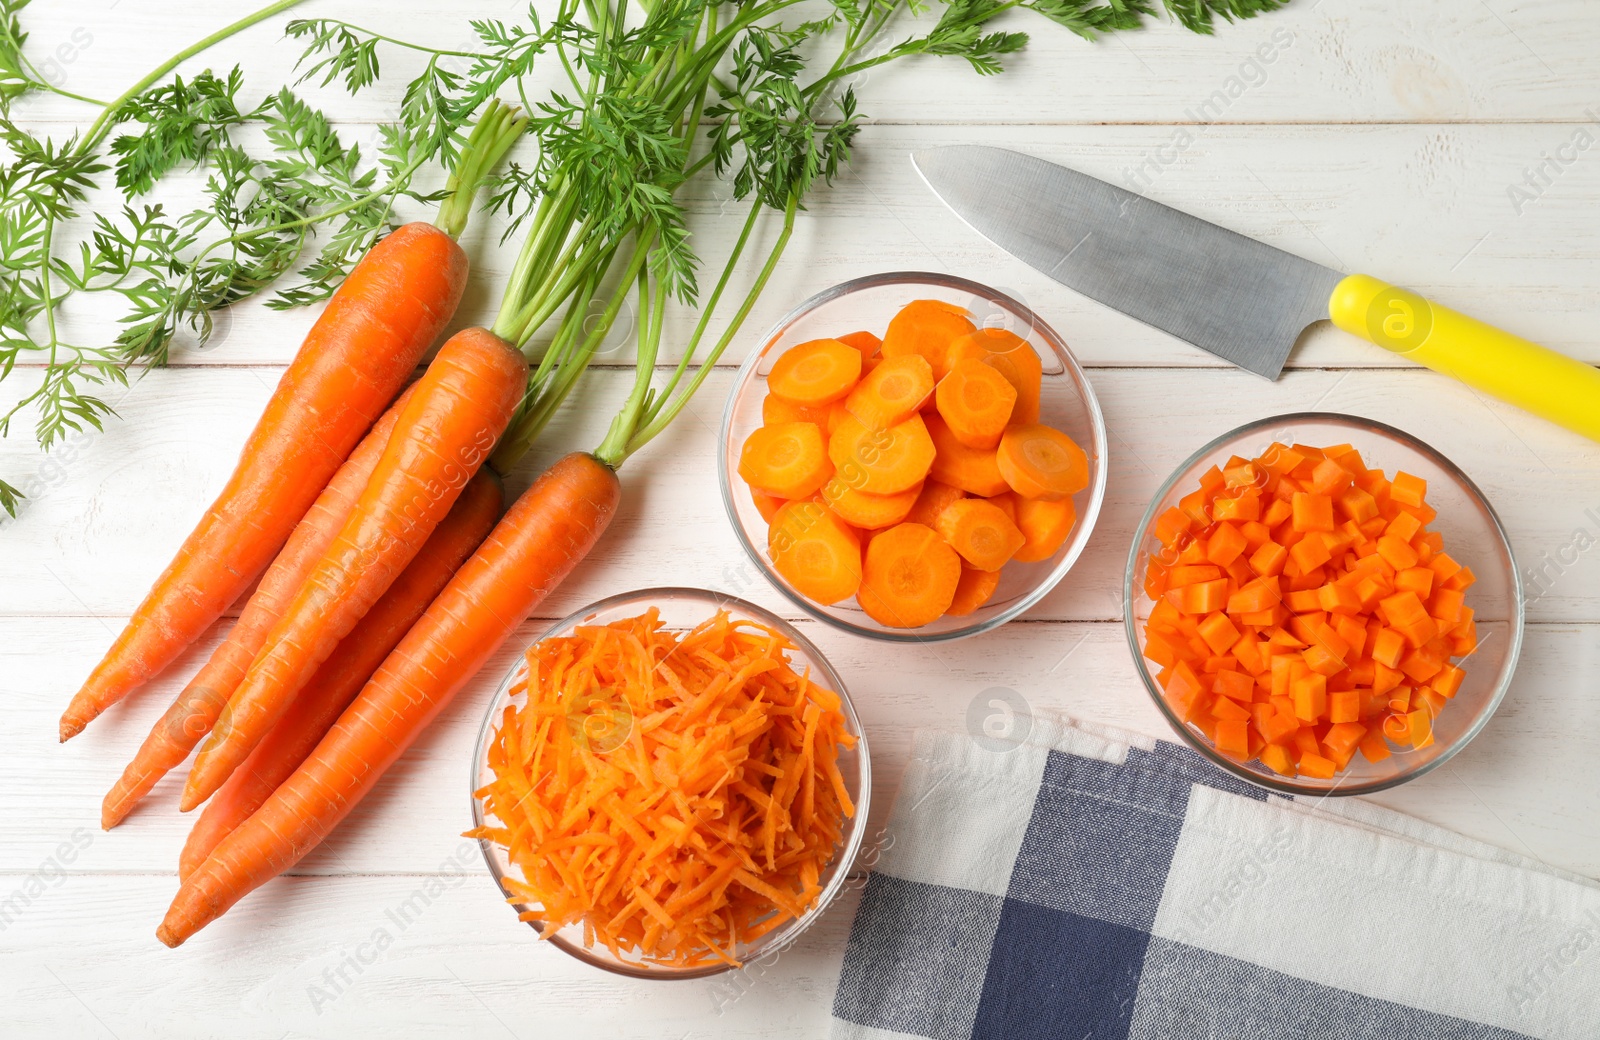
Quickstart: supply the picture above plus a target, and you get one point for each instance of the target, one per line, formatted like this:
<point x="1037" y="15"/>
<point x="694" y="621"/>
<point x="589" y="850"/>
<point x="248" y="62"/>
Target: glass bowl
<point x="681" y="609"/>
<point x="1473" y="535"/>
<point x="1067" y="402"/>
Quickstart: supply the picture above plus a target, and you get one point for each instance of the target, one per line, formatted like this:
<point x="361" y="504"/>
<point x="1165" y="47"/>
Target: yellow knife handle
<point x="1534" y="378"/>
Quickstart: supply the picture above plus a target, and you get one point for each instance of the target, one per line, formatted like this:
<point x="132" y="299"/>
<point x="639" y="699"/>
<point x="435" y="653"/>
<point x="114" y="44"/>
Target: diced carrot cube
<point x="1310" y="694"/>
<point x="1398" y="553"/>
<point x="1408" y="490"/>
<point x="1268" y="559"/>
<point x="1236" y="685"/>
<point x="1444" y="567"/>
<point x="1329" y="478"/>
<point x="1311" y="552"/>
<point x="1281" y="675"/>
<point x="1229" y="709"/>
<point x="1448" y="680"/>
<point x="1225" y="545"/>
<point x="1321" y="660"/>
<point x="1338" y="599"/>
<point x="1172" y="525"/>
<point x="1312" y="512"/>
<point x="1460" y="580"/>
<point x="1385" y="678"/>
<point x="1192" y="574"/>
<point x="1420" y="724"/>
<point x="1357" y="505"/>
<point x="1420" y="632"/>
<point x="1245" y="506"/>
<point x="1344" y="706"/>
<point x="1420" y="666"/>
<point x="1403" y="526"/>
<point x="1303" y="601"/>
<point x="1305" y="741"/>
<point x="1373" y="747"/>
<point x="1387" y="647"/>
<point x="1448" y="605"/>
<point x="1233" y="737"/>
<point x="1402" y="608"/>
<point x="1277" y="513"/>
<point x="1342" y="738"/>
<point x="1317" y="766"/>
<point x="1218" y="632"/>
<point x="1276" y="758"/>
<point x="1184" y="690"/>
<point x="1415" y="579"/>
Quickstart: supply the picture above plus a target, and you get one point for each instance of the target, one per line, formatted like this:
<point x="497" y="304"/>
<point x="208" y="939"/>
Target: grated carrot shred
<point x="677" y="794"/>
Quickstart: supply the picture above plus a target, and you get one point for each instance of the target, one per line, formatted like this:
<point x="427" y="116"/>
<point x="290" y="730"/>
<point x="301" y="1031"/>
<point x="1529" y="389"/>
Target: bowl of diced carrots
<point x="670" y="783"/>
<point x="1323" y="604"/>
<point x="913" y="457"/>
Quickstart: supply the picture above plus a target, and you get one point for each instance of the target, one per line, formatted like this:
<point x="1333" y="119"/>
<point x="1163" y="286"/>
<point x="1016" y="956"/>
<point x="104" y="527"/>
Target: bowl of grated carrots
<point x="913" y="457"/>
<point x="1323" y="604"/>
<point x="670" y="783"/>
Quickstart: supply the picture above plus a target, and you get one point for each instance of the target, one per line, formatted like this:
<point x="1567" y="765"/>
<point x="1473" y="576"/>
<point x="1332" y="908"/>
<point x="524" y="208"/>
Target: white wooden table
<point x="1381" y="137"/>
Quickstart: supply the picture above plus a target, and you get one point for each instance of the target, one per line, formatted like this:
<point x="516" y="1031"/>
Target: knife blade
<point x="1242" y="300"/>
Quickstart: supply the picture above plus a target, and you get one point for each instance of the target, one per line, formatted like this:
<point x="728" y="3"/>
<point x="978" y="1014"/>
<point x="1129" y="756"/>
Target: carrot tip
<point x="190" y="800"/>
<point x="168" y="939"/>
<point x="71" y="727"/>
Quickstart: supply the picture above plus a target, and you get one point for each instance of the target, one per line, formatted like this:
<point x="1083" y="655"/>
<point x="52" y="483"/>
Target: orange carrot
<point x="776" y="410"/>
<point x="197" y="708"/>
<point x="868" y="511"/>
<point x="1011" y="356"/>
<point x="347" y="669"/>
<point x="353" y="362"/>
<point x="459" y="409"/>
<point x="976" y="401"/>
<point x="909" y="577"/>
<point x="926" y="327"/>
<point x="788" y="460"/>
<point x="549" y="529"/>
<point x="892" y="392"/>
<point x="973" y="470"/>
<point x="931" y="501"/>
<point x="1042" y="462"/>
<point x="881" y="462"/>
<point x="815" y="373"/>
<point x="1045" y="526"/>
<point x="866" y="342"/>
<point x="980" y="532"/>
<point x="973" y="591"/>
<point x="815" y="551"/>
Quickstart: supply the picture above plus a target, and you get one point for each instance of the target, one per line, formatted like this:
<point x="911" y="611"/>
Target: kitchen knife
<point x="1239" y="299"/>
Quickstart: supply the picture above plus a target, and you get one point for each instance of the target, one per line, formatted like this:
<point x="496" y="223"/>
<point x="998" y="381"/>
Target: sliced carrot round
<point x="909" y="578"/>
<point x="976" y="401"/>
<point x="1011" y="356"/>
<point x="865" y="510"/>
<point x="881" y="462"/>
<point x="926" y="327"/>
<point x="815" y="373"/>
<point x="931" y="502"/>
<point x="865" y="342"/>
<point x="973" y="470"/>
<point x="788" y="460"/>
<point x="1045" y="526"/>
<point x="981" y="532"/>
<point x="815" y="551"/>
<point x="892" y="392"/>
<point x="775" y="410"/>
<point x="1042" y="462"/>
<point x="973" y="590"/>
<point x="767" y="505"/>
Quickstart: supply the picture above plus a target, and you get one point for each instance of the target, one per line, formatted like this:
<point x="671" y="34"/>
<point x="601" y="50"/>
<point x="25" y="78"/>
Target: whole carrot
<point x="546" y="533"/>
<point x="343" y="674"/>
<point x="457" y="412"/>
<point x="197" y="708"/>
<point x="356" y="357"/>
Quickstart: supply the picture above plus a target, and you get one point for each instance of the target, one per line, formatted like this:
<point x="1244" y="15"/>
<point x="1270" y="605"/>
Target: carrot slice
<point x="775" y="410"/>
<point x="767" y="505"/>
<point x="1042" y="462"/>
<point x="975" y="401"/>
<point x="981" y="532"/>
<point x="788" y="460"/>
<point x="816" y="551"/>
<point x="909" y="577"/>
<point x="881" y="462"/>
<point x="973" y="470"/>
<point x="866" y="342"/>
<point x="975" y="588"/>
<point x="868" y="511"/>
<point x="927" y="328"/>
<point x="815" y="373"/>
<point x="1011" y="356"/>
<point x="892" y="392"/>
<point x="935" y="495"/>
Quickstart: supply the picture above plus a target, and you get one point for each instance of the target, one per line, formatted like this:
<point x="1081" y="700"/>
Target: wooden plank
<point x="1427" y="206"/>
<point x="110" y="510"/>
<point x="1520" y="784"/>
<point x="1329" y="61"/>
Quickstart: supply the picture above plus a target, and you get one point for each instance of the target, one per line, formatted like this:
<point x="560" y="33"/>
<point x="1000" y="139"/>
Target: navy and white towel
<point x="1090" y="884"/>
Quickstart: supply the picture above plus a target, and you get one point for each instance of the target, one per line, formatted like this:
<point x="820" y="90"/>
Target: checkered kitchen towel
<point x="1089" y="883"/>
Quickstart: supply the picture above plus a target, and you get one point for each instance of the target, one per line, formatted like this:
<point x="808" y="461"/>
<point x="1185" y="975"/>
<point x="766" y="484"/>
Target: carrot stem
<point x="497" y="129"/>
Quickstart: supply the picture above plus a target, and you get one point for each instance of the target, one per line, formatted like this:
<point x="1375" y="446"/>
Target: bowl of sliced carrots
<point x="670" y="783"/>
<point x="913" y="457"/>
<point x="1323" y="604"/>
